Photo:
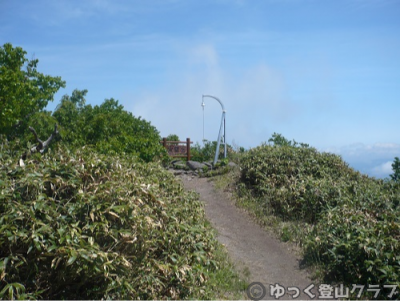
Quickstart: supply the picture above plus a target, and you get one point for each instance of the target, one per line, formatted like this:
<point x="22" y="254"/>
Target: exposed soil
<point x="250" y="247"/>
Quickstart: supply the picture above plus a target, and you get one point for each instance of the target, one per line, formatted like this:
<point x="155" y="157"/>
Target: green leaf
<point x="72" y="258"/>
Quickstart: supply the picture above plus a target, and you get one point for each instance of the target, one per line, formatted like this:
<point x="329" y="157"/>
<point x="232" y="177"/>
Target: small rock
<point x="232" y="164"/>
<point x="208" y="164"/>
<point x="193" y="165"/>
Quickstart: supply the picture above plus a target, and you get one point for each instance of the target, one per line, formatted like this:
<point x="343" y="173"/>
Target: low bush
<point x="350" y="222"/>
<point x="357" y="244"/>
<point x="207" y="151"/>
<point x="108" y="128"/>
<point x="295" y="183"/>
<point x="81" y="225"/>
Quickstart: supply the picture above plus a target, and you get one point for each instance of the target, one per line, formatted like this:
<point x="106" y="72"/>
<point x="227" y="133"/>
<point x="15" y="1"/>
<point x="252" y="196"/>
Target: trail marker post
<point x="176" y="149"/>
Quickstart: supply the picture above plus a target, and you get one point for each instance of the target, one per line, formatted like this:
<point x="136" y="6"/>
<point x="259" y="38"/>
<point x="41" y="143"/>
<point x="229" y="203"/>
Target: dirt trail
<point x="249" y="246"/>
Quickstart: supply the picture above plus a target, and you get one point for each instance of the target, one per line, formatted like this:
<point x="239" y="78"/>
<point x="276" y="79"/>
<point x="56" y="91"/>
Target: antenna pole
<point x="220" y="129"/>
<point x="203" y="105"/>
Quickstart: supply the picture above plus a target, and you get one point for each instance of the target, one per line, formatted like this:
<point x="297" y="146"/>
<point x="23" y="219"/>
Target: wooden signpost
<point x="178" y="149"/>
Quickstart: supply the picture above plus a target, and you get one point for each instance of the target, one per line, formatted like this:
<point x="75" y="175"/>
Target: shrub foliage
<point x="352" y="221"/>
<point x="108" y="128"/>
<point x="24" y="91"/>
<point x="79" y="225"/>
<point x="207" y="151"/>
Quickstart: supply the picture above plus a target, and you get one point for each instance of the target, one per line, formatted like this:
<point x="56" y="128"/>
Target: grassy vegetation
<point x="89" y="221"/>
<point x="206" y="152"/>
<point x="82" y="225"/>
<point x="96" y="217"/>
<point x="347" y="224"/>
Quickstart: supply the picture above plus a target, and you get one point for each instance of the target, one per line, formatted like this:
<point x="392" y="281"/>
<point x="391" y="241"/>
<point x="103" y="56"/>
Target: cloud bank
<point x="375" y="160"/>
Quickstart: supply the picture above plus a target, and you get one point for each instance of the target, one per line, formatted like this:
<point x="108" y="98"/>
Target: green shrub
<point x="81" y="225"/>
<point x="358" y="243"/>
<point x="396" y="170"/>
<point x="350" y="222"/>
<point x="108" y="128"/>
<point x="207" y="151"/>
<point x="203" y="153"/>
<point x="295" y="183"/>
<point x="172" y="137"/>
<point x="24" y="91"/>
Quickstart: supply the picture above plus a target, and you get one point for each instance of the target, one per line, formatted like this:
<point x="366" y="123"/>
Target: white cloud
<point x="383" y="170"/>
<point x="205" y="54"/>
<point x="372" y="159"/>
<point x="360" y="150"/>
<point x="254" y="99"/>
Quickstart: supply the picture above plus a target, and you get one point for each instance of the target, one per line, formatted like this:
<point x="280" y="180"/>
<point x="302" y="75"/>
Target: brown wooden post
<point x="164" y="142"/>
<point x="188" y="148"/>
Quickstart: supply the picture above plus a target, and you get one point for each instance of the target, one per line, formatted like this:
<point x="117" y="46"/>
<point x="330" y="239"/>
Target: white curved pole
<point x="220" y="129"/>
<point x="220" y="102"/>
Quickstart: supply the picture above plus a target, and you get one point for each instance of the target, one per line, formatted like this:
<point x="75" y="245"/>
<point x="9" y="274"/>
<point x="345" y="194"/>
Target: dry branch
<point x="41" y="146"/>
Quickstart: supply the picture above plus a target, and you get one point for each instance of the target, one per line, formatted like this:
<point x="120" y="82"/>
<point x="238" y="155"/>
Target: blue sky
<point x="323" y="72"/>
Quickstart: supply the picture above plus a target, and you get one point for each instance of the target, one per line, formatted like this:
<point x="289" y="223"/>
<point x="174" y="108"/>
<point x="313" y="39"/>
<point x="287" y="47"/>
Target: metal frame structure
<point x="220" y="128"/>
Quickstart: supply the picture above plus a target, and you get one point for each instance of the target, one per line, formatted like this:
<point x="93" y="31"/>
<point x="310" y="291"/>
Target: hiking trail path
<point x="268" y="260"/>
